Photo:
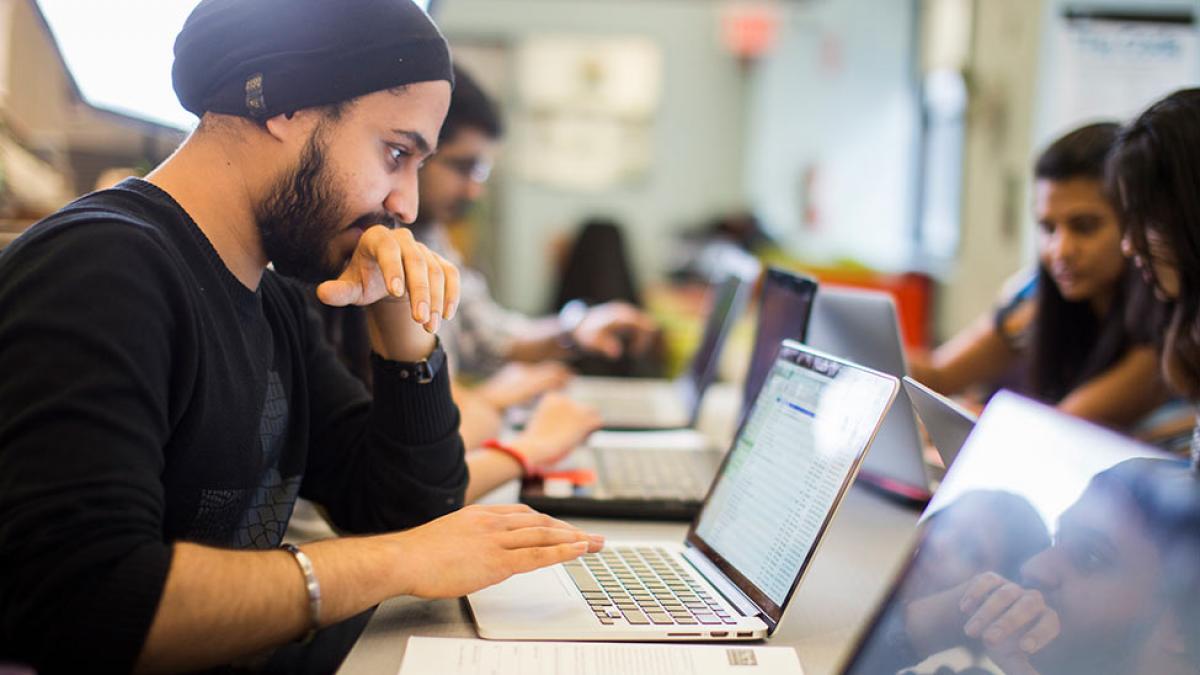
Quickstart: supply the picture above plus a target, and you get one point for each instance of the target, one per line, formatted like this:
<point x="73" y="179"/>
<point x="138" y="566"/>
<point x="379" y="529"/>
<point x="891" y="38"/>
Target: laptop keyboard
<point x="644" y="586"/>
<point x="655" y="474"/>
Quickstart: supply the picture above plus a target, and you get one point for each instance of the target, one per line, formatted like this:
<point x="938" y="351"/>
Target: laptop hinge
<point x="721" y="582"/>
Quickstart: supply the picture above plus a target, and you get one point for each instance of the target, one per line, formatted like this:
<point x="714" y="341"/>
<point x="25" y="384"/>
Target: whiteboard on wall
<point x="1109" y="65"/>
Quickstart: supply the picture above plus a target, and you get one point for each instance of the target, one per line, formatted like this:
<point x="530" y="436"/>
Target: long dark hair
<point x="1071" y="345"/>
<point x="1154" y="171"/>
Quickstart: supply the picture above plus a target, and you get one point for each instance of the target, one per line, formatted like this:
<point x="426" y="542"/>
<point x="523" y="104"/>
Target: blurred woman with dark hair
<point x="1155" y="173"/>
<point x="1077" y="328"/>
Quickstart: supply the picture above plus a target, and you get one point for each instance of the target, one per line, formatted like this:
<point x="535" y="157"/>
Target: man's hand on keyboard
<point x="479" y="546"/>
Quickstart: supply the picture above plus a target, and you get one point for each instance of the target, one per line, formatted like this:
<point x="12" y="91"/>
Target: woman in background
<point x="1075" y="333"/>
<point x="1155" y="173"/>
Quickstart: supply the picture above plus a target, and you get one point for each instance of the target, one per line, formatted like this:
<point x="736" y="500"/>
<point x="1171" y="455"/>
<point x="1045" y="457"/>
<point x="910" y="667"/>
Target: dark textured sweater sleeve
<point x="84" y="364"/>
<point x="381" y="463"/>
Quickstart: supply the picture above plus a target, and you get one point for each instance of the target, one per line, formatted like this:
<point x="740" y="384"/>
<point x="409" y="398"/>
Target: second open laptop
<point x="641" y="474"/>
<point x="861" y="326"/>
<point x="637" y="403"/>
<point x="779" y="487"/>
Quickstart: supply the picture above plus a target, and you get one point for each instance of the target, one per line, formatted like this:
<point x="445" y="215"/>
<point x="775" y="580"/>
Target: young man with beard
<point x="166" y="396"/>
<point x="509" y="358"/>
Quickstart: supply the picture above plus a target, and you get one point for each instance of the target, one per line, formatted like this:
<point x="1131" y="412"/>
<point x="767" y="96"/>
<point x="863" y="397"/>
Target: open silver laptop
<point x="1052" y="546"/>
<point x="639" y="403"/>
<point x="948" y="423"/>
<point x="777" y="491"/>
<point x="861" y="326"/>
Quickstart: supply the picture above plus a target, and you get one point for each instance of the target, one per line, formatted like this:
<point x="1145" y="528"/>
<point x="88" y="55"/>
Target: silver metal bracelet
<point x="311" y="585"/>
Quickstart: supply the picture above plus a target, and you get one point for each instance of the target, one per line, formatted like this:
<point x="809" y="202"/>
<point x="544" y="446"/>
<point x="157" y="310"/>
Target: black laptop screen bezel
<point x="801" y="289"/>
<point x="792" y="352"/>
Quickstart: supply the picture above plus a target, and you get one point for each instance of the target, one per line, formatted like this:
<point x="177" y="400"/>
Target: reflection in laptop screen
<point x="1053" y="547"/>
<point x="791" y="460"/>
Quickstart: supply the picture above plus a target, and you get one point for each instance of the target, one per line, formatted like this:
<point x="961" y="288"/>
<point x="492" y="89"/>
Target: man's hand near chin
<point x="407" y="288"/>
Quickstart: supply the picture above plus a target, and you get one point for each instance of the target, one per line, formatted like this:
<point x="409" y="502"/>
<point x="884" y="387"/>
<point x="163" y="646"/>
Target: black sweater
<point x="147" y="397"/>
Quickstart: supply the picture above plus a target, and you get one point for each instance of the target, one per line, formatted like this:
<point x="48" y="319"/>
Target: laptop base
<point x="908" y="496"/>
<point x="624" y="509"/>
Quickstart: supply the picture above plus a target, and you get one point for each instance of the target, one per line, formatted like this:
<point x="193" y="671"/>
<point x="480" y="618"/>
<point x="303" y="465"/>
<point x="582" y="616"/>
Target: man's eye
<point x="398" y="154"/>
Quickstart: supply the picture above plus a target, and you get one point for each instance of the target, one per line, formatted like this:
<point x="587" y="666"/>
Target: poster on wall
<point x="587" y="109"/>
<point x="1113" y="65"/>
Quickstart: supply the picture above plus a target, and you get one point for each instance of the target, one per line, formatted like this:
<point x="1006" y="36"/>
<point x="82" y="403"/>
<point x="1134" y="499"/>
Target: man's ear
<point x="290" y="126"/>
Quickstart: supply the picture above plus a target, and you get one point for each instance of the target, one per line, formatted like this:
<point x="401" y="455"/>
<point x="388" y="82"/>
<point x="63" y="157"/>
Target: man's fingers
<point x="995" y="605"/>
<point x="529" y="559"/>
<point x="339" y="293"/>
<point x="535" y="537"/>
<point x="416" y="274"/>
<point x="437" y="290"/>
<point x="517" y="521"/>
<point x="389" y="257"/>
<point x="453" y="287"/>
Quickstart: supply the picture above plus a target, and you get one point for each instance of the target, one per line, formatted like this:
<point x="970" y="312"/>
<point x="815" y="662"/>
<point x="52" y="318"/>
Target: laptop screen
<point x="782" y="315"/>
<point x="792" y="461"/>
<point x="1053" y="546"/>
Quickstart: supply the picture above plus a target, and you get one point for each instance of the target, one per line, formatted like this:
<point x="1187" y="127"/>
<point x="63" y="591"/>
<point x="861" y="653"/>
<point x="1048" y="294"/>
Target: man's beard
<point x="301" y="218"/>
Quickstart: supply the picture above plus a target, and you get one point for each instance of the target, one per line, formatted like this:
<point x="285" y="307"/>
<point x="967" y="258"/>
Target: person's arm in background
<point x="480" y="419"/>
<point x="557" y="427"/>
<point x="1122" y="395"/>
<point x="602" y="329"/>
<point x="977" y="354"/>
<point x="488" y="335"/>
<point x="518" y="383"/>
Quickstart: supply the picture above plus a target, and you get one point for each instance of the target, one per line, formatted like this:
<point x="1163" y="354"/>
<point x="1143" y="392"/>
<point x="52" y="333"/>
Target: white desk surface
<point x="851" y="571"/>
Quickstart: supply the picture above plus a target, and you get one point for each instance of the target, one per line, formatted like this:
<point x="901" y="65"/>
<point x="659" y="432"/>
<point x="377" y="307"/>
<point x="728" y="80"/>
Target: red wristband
<point x="527" y="469"/>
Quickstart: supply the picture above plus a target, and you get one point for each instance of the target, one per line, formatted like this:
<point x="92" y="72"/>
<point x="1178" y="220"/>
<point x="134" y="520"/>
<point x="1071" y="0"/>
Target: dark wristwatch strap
<point x="418" y="372"/>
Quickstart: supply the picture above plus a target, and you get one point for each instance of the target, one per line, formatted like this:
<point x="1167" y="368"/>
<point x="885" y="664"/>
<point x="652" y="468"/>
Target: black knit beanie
<point x="261" y="58"/>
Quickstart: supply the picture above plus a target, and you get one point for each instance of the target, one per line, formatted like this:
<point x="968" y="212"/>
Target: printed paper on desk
<point x="452" y="656"/>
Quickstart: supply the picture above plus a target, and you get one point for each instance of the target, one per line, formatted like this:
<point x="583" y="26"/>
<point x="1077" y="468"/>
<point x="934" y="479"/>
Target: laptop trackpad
<point x="534" y="598"/>
<point x="545" y="583"/>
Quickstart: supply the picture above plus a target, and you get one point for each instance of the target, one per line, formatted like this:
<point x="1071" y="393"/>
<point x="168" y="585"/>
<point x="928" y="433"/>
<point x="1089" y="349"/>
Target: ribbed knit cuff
<point x="421" y="413"/>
